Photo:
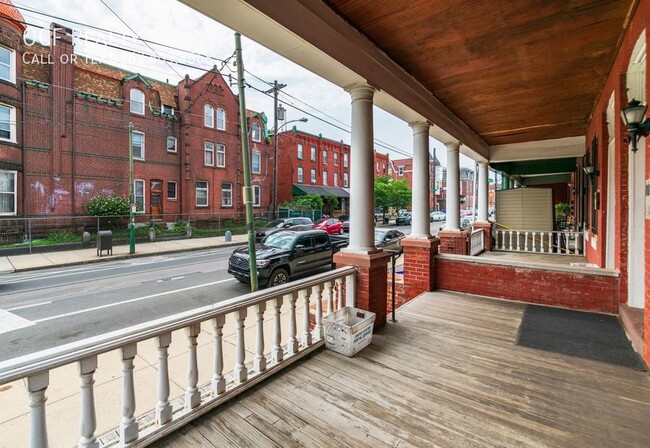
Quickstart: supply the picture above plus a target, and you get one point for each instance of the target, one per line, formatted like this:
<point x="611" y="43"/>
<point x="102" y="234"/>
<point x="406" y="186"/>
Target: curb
<point x="128" y="256"/>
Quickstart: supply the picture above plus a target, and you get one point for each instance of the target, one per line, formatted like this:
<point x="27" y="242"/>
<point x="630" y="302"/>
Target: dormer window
<point x="255" y="132"/>
<point x="137" y="101"/>
<point x="8" y="65"/>
<point x="208" y="116"/>
<point x="221" y="119"/>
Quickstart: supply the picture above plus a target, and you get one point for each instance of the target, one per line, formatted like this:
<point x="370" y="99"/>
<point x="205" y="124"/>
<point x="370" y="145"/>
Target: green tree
<point x="115" y="208"/>
<point x="390" y="193"/>
<point x="330" y="203"/>
<point x="310" y="201"/>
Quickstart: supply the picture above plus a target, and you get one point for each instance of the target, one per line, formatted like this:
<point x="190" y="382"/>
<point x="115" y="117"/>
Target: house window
<point x="226" y="194"/>
<point x="336" y="158"/>
<point x="336" y="179"/>
<point x="377" y="166"/>
<point x="255" y="132"/>
<point x="221" y="119"/>
<point x="299" y="151"/>
<point x="324" y="156"/>
<point x="300" y="178"/>
<point x="390" y="170"/>
<point x="221" y="156"/>
<point x="313" y="153"/>
<point x="138" y="195"/>
<point x="313" y="176"/>
<point x="208" y="116"/>
<point x="257" y="196"/>
<point x="7" y="192"/>
<point x="201" y="193"/>
<point x="256" y="162"/>
<point x="325" y="177"/>
<point x="345" y="180"/>
<point x="595" y="193"/>
<point x="169" y="110"/>
<point x="8" y="65"/>
<point x="137" y="101"/>
<point x="171" y="144"/>
<point x="138" y="145"/>
<point x="7" y="123"/>
<point x="208" y="149"/>
<point x="345" y="160"/>
<point x="400" y="170"/>
<point x="171" y="190"/>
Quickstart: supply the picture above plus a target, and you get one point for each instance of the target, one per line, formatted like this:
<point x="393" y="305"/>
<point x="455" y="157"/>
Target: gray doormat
<point x="576" y="333"/>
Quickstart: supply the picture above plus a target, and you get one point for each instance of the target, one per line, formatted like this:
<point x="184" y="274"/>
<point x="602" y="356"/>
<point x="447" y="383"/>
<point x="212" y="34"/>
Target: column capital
<point x="482" y="164"/>
<point x="361" y="91"/>
<point x="452" y="146"/>
<point x="420" y="127"/>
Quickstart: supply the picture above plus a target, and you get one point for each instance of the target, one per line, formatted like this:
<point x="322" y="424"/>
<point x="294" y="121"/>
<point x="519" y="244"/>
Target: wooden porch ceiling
<point x="514" y="71"/>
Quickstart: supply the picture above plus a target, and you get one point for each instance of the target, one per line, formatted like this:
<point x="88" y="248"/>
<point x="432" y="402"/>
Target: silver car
<point x="388" y="239"/>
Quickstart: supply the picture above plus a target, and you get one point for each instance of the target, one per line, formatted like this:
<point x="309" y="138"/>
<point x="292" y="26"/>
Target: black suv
<point x="280" y="224"/>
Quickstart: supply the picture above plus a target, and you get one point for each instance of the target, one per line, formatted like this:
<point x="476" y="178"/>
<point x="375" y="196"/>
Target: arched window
<point x="221" y="119"/>
<point x="137" y="101"/>
<point x="255" y="132"/>
<point x="208" y="116"/>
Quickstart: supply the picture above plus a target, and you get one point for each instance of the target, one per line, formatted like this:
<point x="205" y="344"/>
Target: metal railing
<point x="335" y="289"/>
<point x="476" y="242"/>
<point x="549" y="242"/>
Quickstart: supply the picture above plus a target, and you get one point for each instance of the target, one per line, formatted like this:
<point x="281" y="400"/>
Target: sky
<point x="171" y="23"/>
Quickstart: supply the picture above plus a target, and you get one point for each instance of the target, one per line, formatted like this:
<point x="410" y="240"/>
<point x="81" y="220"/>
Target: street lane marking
<point x="10" y="322"/>
<point x="136" y="299"/>
<point x="178" y="278"/>
<point x="28" y="306"/>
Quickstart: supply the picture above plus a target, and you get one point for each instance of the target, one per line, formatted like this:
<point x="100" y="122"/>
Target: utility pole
<point x="248" y="200"/>
<point x="131" y="194"/>
<point x="274" y="202"/>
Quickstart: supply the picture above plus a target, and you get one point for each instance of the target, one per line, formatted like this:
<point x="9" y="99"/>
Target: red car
<point x="330" y="225"/>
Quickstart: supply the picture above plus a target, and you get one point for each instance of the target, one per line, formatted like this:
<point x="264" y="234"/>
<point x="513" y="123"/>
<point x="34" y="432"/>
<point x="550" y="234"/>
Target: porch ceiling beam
<point x="539" y="150"/>
<point x="546" y="179"/>
<point x="312" y="35"/>
<point x="534" y="168"/>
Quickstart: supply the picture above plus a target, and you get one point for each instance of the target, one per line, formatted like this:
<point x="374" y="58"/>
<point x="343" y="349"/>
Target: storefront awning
<point x="299" y="190"/>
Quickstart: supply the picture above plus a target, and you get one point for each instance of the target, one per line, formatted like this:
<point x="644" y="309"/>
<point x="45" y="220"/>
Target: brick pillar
<point x="372" y="272"/>
<point x="453" y="242"/>
<point x="487" y="233"/>
<point x="419" y="255"/>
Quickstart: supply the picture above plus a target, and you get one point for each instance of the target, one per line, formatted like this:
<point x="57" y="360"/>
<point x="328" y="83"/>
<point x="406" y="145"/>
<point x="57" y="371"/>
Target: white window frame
<point x="259" y="164"/>
<point x="324" y="155"/>
<point x="208" y="148"/>
<point x="336" y="158"/>
<point x="133" y="102"/>
<point x="144" y="195"/>
<point x="142" y="146"/>
<point x="301" y="152"/>
<point x="312" y="176"/>
<point x="207" y="193"/>
<point x="12" y="64"/>
<point x="257" y="196"/>
<point x="336" y="179"/>
<point x="15" y="192"/>
<point x="221" y="156"/>
<point x="345" y="180"/>
<point x="324" y="177"/>
<point x="400" y="170"/>
<point x="256" y="129"/>
<point x="12" y="124"/>
<point x="301" y="174"/>
<point x="175" y="197"/>
<point x="313" y="154"/>
<point x="345" y="160"/>
<point x="208" y="116"/>
<point x="175" y="148"/>
<point x="173" y="110"/>
<point x="221" y="119"/>
<point x="223" y="190"/>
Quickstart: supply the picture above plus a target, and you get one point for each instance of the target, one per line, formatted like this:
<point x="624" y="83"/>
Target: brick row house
<point x="64" y="135"/>
<point x="402" y="169"/>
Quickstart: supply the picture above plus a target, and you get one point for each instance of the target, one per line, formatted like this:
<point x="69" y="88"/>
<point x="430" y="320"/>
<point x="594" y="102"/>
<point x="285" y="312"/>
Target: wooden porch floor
<point x="446" y="374"/>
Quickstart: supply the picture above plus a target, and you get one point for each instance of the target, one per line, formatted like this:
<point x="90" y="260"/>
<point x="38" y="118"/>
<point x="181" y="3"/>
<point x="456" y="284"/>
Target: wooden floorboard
<point x="447" y="374"/>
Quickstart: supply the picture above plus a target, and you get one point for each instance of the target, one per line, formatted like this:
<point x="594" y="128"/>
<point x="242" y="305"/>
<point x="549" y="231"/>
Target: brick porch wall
<point x="569" y="289"/>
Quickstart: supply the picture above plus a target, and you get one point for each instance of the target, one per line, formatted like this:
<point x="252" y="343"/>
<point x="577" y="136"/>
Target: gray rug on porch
<point x="575" y="333"/>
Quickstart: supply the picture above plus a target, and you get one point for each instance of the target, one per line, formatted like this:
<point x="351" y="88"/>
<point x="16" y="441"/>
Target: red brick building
<point x="65" y="122"/>
<point x="403" y="170"/>
<point x="382" y="165"/>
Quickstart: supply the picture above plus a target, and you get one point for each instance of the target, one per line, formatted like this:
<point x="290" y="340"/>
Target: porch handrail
<point x="335" y="287"/>
<point x="539" y="241"/>
<point x="476" y="242"/>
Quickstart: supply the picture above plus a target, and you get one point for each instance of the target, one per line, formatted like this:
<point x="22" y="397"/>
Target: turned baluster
<point x="192" y="394"/>
<point x="87" y="414"/>
<point x="163" y="407"/>
<point x="260" y="360"/>
<point x="128" y="426"/>
<point x="218" y="380"/>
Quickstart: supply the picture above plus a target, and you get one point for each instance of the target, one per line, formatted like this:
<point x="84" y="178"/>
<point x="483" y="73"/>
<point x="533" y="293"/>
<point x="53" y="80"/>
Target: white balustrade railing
<point x="562" y="242"/>
<point x="336" y="288"/>
<point x="476" y="242"/>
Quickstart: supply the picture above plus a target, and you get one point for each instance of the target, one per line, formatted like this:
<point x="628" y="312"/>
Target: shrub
<point x="108" y="206"/>
<point x="179" y="227"/>
<point x="62" y="237"/>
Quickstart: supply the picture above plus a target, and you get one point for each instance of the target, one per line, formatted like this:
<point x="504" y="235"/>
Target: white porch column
<point x="421" y="188"/>
<point x="512" y="183"/>
<point x="453" y="186"/>
<point x="362" y="188"/>
<point x="482" y="191"/>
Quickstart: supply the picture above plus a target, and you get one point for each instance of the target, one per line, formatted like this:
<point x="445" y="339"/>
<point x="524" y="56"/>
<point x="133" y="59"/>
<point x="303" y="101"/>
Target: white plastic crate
<point x="348" y="330"/>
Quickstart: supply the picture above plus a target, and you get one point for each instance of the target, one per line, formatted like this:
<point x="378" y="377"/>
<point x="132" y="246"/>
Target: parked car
<point x="404" y="219"/>
<point x="279" y="224"/>
<point x="331" y="225"/>
<point x="345" y="219"/>
<point x="388" y="239"/>
<point x="437" y="216"/>
<point x="284" y="254"/>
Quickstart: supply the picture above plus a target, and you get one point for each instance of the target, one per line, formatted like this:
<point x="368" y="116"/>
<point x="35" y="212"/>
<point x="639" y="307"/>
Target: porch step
<point x="632" y="320"/>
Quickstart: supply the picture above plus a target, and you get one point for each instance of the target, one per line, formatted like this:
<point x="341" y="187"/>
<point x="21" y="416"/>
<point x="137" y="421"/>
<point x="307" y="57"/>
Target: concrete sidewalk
<point x="28" y="262"/>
